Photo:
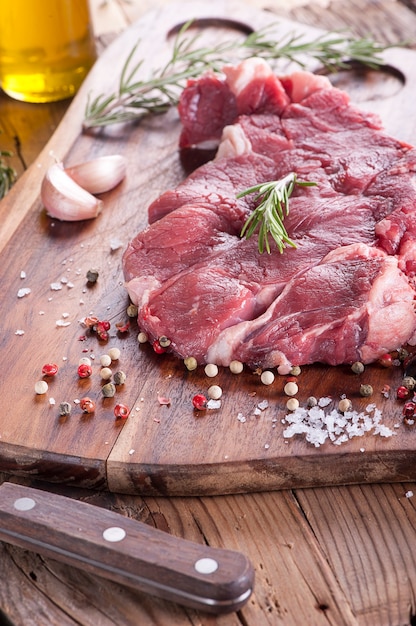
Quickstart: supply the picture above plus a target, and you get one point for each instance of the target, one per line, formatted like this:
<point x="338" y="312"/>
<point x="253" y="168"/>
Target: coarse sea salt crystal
<point x="115" y="244"/>
<point x="263" y="405"/>
<point x="19" y="332"/>
<point x="317" y="426"/>
<point x="213" y="404"/>
<point x="241" y="418"/>
<point x="409" y="494"/>
<point x="62" y="323"/>
<point x="56" y="286"/>
<point x="323" y="402"/>
<point x="24" y="291"/>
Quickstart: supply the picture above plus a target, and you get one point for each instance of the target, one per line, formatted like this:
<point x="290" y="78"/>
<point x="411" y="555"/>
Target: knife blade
<point x="125" y="550"/>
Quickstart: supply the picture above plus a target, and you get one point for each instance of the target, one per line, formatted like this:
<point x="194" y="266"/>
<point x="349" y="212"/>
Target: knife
<point x="124" y="550"/>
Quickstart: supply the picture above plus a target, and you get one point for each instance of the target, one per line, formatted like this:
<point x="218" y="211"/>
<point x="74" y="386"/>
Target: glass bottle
<point x="46" y="48"/>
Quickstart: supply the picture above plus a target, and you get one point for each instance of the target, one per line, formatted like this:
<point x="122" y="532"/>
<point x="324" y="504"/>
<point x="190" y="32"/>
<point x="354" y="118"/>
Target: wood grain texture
<point x="159" y="449"/>
<point x="376" y="585"/>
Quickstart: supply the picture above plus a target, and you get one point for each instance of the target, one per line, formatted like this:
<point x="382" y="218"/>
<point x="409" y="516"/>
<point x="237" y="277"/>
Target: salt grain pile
<point x="317" y="425"/>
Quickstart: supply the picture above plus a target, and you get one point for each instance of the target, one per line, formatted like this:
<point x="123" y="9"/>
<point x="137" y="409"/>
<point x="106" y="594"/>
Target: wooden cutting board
<point x="162" y="449"/>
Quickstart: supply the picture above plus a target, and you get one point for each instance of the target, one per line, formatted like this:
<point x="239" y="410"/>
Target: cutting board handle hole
<point x="365" y="84"/>
<point x="204" y="23"/>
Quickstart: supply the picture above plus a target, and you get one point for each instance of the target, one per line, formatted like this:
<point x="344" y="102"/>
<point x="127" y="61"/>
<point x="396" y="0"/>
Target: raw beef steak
<point x="345" y="293"/>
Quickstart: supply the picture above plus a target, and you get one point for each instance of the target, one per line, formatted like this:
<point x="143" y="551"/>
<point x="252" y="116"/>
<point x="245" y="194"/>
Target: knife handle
<point x="124" y="550"/>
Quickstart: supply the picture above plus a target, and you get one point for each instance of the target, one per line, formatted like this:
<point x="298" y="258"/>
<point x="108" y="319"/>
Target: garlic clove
<point x="99" y="175"/>
<point x="64" y="199"/>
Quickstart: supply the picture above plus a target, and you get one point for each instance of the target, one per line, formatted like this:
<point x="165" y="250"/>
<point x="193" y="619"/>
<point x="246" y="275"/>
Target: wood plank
<point x="366" y="533"/>
<point x="269" y="527"/>
<point x="159" y="449"/>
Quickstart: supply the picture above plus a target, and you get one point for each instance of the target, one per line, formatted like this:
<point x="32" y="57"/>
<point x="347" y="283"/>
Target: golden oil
<point x="46" y="48"/>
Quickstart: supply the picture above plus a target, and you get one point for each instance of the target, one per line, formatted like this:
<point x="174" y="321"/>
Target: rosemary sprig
<point x="333" y="50"/>
<point x="7" y="173"/>
<point x="135" y="97"/>
<point x="272" y="207"/>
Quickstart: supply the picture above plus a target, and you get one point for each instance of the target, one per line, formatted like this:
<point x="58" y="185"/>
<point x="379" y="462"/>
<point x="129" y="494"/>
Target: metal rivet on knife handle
<point x="124" y="550"/>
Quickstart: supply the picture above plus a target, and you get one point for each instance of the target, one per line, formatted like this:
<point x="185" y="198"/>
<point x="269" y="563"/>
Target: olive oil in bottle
<point x="46" y="48"/>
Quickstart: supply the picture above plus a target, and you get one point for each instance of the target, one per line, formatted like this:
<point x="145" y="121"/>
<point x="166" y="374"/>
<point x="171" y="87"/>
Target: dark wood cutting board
<point x="162" y="449"/>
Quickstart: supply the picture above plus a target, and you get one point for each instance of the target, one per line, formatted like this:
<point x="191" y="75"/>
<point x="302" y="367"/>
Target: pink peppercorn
<point x="49" y="369"/>
<point x="199" y="402"/>
<point x="121" y="411"/>
<point x="157" y="347"/>
<point x="102" y="328"/>
<point x="402" y="392"/>
<point x="87" y="405"/>
<point x="409" y="409"/>
<point x="386" y="360"/>
<point x="84" y="370"/>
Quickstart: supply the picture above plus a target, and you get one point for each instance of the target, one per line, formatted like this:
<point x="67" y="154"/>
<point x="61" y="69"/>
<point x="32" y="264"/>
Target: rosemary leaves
<point x="7" y="174"/>
<point x="272" y="207"/>
<point x="137" y="97"/>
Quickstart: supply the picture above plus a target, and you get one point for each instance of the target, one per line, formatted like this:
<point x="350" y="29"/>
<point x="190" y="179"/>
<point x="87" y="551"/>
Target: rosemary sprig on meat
<point x="136" y="97"/>
<point x="7" y="173"/>
<point x="272" y="208"/>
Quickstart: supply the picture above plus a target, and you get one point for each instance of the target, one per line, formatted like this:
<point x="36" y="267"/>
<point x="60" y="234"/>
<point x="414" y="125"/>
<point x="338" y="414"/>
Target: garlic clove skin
<point x="99" y="175"/>
<point x="64" y="199"/>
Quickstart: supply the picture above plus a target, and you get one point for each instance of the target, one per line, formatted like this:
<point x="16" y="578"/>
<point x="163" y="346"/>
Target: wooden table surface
<point x="335" y="555"/>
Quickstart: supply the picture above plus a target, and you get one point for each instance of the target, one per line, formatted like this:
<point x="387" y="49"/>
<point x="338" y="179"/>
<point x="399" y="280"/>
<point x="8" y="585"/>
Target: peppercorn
<point x="41" y="387"/>
<point x="157" y="347"/>
<point x="215" y="392"/>
<point x="164" y="341"/>
<point x="114" y="354"/>
<point x="236" y="367"/>
<point x="267" y="377"/>
<point x="142" y="337"/>
<point x="123" y="327"/>
<point x="357" y="367"/>
<point x="402" y="392"/>
<point x="344" y="405"/>
<point x="386" y="360"/>
<point x="295" y="371"/>
<point x="105" y="360"/>
<point x="292" y="404"/>
<point x="366" y="391"/>
<point x="102" y="328"/>
<point x="199" y="402"/>
<point x="190" y="363"/>
<point x="92" y="275"/>
<point x="87" y="405"/>
<point x="291" y="388"/>
<point x="65" y="408"/>
<point x="409" y="409"/>
<point x="119" y="378"/>
<point x="84" y="370"/>
<point x="402" y="354"/>
<point x="121" y="411"/>
<point x="108" y="390"/>
<point x="106" y="373"/>
<point x="409" y="382"/>
<point x="50" y="369"/>
<point x="311" y="401"/>
<point x="132" y="310"/>
<point x="211" y="370"/>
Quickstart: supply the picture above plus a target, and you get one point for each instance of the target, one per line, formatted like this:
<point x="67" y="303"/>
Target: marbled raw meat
<point x="345" y="293"/>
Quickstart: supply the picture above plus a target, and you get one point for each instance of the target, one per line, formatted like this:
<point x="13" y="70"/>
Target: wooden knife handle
<point x="124" y="550"/>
